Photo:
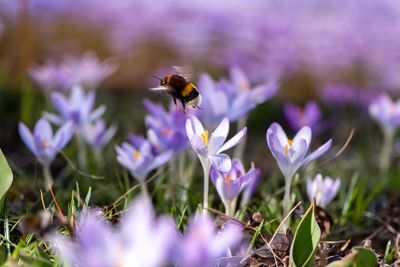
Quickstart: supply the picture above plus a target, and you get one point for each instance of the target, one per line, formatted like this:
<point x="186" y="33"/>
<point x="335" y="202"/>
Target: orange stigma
<point x="165" y="131"/>
<point x="136" y="154"/>
<point x="45" y="143"/>
<point x="228" y="179"/>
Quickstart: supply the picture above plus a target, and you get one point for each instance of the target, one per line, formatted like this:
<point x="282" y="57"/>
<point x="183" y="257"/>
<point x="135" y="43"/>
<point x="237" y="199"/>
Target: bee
<point x="178" y="86"/>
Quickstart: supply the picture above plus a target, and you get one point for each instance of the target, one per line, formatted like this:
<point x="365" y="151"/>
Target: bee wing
<point x="184" y="71"/>
<point x="160" y="88"/>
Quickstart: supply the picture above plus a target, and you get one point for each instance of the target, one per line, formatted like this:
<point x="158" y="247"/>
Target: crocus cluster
<point x="142" y="239"/>
<point x="209" y="147"/>
<point x="232" y="98"/>
<point x="323" y="189"/>
<point x="87" y="71"/>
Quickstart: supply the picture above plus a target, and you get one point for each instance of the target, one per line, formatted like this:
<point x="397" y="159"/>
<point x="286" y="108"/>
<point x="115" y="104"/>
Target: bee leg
<point x="176" y="105"/>
<point x="183" y="106"/>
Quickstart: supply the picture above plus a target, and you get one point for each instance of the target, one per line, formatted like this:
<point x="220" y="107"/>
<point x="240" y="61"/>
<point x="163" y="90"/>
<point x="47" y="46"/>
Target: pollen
<point x="228" y="179"/>
<point x="136" y="154"/>
<point x="165" y="131"/>
<point x="204" y="137"/>
<point x="289" y="143"/>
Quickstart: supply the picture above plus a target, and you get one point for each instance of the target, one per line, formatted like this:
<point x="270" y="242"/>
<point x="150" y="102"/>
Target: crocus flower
<point x="322" y="189"/>
<point x="42" y="143"/>
<point x="232" y="98"/>
<point x="139" y="159"/>
<point x="209" y="147"/>
<point x="87" y="71"/>
<point x="78" y="107"/>
<point x="230" y="184"/>
<point x="291" y="154"/>
<point x="385" y="112"/>
<point x="141" y="239"/>
<point x="299" y="117"/>
<point x="202" y="245"/>
<point x="166" y="130"/>
<point x="97" y="135"/>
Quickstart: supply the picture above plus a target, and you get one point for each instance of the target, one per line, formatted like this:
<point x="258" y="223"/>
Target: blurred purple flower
<point x="322" y="189"/>
<point x="139" y="159"/>
<point x="249" y="190"/>
<point x="202" y="245"/>
<point x="86" y="71"/>
<point x="166" y="130"/>
<point x="230" y="184"/>
<point x="96" y="134"/>
<point x="299" y="117"/>
<point x="209" y="148"/>
<point x="78" y="107"/>
<point x="347" y="94"/>
<point x="385" y="112"/>
<point x="232" y="98"/>
<point x="290" y="154"/>
<point x="140" y="240"/>
<point x="42" y="143"/>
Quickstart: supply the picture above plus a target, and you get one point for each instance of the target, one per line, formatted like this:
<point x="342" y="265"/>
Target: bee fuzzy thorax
<point x="196" y="102"/>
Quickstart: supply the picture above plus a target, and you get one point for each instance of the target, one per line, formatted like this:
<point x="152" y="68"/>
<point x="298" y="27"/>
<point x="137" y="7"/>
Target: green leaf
<point x="304" y="245"/>
<point x="6" y="176"/>
<point x="359" y="257"/>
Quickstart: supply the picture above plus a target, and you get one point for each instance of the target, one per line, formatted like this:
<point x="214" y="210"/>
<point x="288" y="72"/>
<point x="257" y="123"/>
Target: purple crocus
<point x="97" y="135"/>
<point x="87" y="71"/>
<point x="78" y="107"/>
<point x="290" y="154"/>
<point x="141" y="239"/>
<point x="209" y="147"/>
<point x="232" y="98"/>
<point x="42" y="143"/>
<point x="202" y="245"/>
<point x="166" y="130"/>
<point x="322" y="189"/>
<point x="385" y="112"/>
<point x="230" y="184"/>
<point x="140" y="159"/>
<point x="298" y="117"/>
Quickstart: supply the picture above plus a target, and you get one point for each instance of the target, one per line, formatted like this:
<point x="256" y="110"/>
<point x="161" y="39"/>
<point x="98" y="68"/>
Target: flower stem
<point x="286" y="204"/>
<point x="386" y="152"/>
<point x="98" y="157"/>
<point x="48" y="178"/>
<point x="81" y="148"/>
<point x="145" y="191"/>
<point x="206" y="171"/>
<point x="239" y="149"/>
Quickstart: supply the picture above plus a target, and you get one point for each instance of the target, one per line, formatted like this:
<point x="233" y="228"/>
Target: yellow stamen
<point x="136" y="154"/>
<point x="244" y="85"/>
<point x="204" y="137"/>
<point x="228" y="179"/>
<point x="165" y="131"/>
<point x="289" y="143"/>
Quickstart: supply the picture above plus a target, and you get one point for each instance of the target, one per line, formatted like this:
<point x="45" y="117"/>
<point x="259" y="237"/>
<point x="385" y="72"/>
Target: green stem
<point x="98" y="157"/>
<point x="206" y="171"/>
<point x="48" y="178"/>
<point x="388" y="136"/>
<point x="286" y="204"/>
<point x="6" y="227"/>
<point x="81" y="148"/>
<point x="239" y="149"/>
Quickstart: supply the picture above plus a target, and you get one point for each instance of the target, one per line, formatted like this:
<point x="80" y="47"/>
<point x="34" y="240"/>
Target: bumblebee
<point x="179" y="87"/>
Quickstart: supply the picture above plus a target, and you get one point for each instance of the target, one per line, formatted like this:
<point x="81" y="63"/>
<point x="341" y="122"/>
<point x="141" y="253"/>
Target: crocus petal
<point x="97" y="113"/>
<point x="27" y="137"/>
<point x="60" y="103"/>
<point x="53" y="118"/>
<point x="196" y="124"/>
<point x="161" y="159"/>
<point x="237" y="138"/>
<point x="43" y="129"/>
<point x="279" y="132"/>
<point x="189" y="129"/>
<point x="218" y="137"/>
<point x="64" y="135"/>
<point x="304" y="133"/>
<point x="221" y="162"/>
<point x="319" y="152"/>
